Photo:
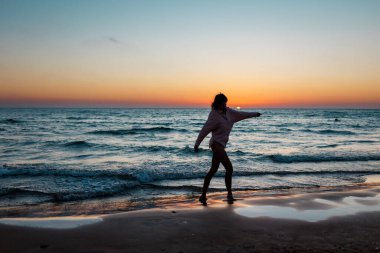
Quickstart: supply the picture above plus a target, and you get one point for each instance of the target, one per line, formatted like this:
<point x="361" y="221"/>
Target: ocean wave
<point x="154" y="149"/>
<point x="74" y="118"/>
<point x="147" y="175"/>
<point x="46" y="170"/>
<point x="128" y="188"/>
<point x="120" y="190"/>
<point x="364" y="141"/>
<point x="328" y="146"/>
<point x="126" y="182"/>
<point x="11" y="121"/>
<point x="278" y="158"/>
<point x="311" y="115"/>
<point x="330" y="132"/>
<point x="18" y="191"/>
<point x="155" y="123"/>
<point x="114" y="132"/>
<point x="78" y="144"/>
<point x="284" y="129"/>
<point x="137" y="131"/>
<point x="187" y="150"/>
<point x="66" y="195"/>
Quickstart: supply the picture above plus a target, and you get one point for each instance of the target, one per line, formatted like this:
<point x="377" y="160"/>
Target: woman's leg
<point x="214" y="168"/>
<point x="225" y="160"/>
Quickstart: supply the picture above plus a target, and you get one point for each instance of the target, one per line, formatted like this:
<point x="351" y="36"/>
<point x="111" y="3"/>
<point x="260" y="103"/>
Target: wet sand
<point x="220" y="227"/>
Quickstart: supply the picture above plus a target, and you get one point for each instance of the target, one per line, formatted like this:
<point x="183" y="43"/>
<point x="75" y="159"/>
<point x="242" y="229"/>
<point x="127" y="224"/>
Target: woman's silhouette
<point x="220" y="122"/>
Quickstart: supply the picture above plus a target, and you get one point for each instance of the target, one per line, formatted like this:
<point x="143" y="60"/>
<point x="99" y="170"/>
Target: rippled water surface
<point x="73" y="155"/>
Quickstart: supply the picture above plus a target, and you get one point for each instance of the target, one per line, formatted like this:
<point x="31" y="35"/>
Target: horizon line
<point x="376" y="107"/>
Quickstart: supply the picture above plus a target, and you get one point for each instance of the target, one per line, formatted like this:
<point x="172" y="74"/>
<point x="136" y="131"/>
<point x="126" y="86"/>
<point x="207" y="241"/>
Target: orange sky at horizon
<point x="257" y="90"/>
<point x="244" y="95"/>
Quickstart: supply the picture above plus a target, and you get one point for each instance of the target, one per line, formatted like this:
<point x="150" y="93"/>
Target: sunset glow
<point x="176" y="54"/>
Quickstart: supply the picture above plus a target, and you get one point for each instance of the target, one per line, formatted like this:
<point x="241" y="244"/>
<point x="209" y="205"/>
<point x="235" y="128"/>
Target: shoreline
<point x="216" y="228"/>
<point x="278" y="198"/>
<point x="119" y="204"/>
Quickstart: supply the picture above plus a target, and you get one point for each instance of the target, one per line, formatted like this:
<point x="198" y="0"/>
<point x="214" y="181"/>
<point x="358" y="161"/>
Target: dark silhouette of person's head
<point x="220" y="102"/>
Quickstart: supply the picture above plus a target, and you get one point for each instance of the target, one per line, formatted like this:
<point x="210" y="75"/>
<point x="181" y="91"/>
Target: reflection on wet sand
<point x="313" y="207"/>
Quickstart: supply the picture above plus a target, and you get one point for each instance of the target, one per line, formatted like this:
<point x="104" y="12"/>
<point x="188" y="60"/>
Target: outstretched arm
<point x="210" y="125"/>
<point x="237" y="116"/>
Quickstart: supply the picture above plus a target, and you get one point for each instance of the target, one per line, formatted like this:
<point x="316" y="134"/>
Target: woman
<point x="220" y="122"/>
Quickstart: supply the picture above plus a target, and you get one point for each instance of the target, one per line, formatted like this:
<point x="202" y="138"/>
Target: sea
<point x="76" y="161"/>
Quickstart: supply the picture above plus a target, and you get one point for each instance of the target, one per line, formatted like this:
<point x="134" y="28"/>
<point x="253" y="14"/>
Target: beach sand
<point x="324" y="221"/>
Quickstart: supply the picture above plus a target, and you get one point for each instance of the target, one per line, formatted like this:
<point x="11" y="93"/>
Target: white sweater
<point x="221" y="125"/>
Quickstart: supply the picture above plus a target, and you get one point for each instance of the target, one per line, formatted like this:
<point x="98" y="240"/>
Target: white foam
<point x="373" y="179"/>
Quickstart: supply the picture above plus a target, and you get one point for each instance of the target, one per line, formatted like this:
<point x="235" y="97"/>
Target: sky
<point x="285" y="53"/>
